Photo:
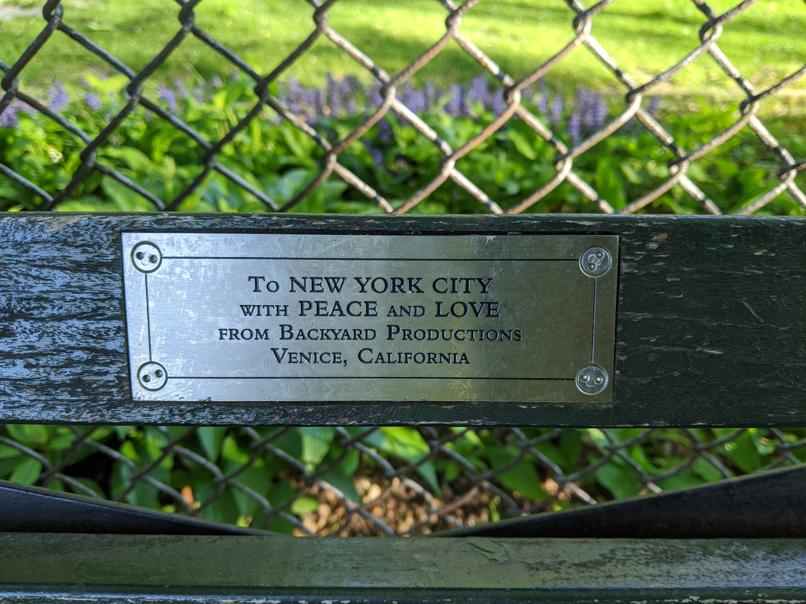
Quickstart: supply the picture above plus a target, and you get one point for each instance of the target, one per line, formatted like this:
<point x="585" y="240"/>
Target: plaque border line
<point x="396" y="259"/>
<point x="593" y="322"/>
<point x="383" y="259"/>
<point x="148" y="319"/>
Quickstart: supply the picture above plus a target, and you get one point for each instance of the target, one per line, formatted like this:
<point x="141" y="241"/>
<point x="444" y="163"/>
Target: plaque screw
<point x="146" y="257"/>
<point x="152" y="375"/>
<point x="595" y="262"/>
<point x="591" y="380"/>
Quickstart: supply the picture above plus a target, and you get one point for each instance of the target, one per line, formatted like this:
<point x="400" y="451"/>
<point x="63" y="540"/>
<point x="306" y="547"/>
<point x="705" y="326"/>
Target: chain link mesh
<point x="484" y="474"/>
<point x="398" y="480"/>
<point x="581" y="19"/>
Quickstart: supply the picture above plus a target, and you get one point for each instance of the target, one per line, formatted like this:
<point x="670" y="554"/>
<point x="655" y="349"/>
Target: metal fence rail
<point x="407" y="481"/>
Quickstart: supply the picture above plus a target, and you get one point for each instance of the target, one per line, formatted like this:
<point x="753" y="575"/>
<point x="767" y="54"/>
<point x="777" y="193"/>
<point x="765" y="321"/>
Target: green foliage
<point x="275" y="157"/>
<point x="609" y="464"/>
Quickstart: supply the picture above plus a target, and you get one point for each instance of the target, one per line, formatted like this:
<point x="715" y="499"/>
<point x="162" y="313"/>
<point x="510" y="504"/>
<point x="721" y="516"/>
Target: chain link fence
<point x="386" y="481"/>
<point x="382" y="481"/>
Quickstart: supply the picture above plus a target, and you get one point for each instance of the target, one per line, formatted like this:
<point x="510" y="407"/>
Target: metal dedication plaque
<point x="318" y="318"/>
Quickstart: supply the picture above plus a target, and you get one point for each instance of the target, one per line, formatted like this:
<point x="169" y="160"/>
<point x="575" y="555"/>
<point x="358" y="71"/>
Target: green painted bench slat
<point x="410" y="569"/>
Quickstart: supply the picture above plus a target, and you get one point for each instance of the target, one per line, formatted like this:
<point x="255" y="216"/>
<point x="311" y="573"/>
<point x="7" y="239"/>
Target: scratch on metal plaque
<point x="318" y="318"/>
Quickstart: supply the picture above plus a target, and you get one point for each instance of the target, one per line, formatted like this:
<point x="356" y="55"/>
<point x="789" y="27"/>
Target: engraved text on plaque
<point x="318" y="318"/>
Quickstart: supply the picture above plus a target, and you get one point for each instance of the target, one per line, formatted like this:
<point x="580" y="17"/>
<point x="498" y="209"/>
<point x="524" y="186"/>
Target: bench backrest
<point x="707" y="323"/>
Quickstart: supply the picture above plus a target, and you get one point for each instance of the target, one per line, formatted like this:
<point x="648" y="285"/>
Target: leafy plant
<point x="276" y="157"/>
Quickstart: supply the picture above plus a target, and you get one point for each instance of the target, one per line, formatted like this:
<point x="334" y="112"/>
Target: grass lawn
<point x="765" y="42"/>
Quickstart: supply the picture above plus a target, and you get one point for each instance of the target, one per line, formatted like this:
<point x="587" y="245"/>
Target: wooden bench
<point x="708" y="329"/>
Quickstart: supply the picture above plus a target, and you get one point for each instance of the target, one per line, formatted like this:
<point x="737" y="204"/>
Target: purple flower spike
<point x="417" y="101"/>
<point x="407" y="95"/>
<point x="307" y="101"/>
<point x="477" y="93"/>
<point x="600" y="111"/>
<point x="375" y="97"/>
<point x="352" y="83"/>
<point x="335" y="104"/>
<point x="557" y="110"/>
<point x="431" y="95"/>
<point x="9" y="117"/>
<point x="167" y="95"/>
<point x="454" y="106"/>
<point x="292" y="96"/>
<point x="181" y="89"/>
<point x="328" y="103"/>
<point x="294" y="86"/>
<point x="93" y="101"/>
<point x="384" y="131"/>
<point x="654" y="105"/>
<point x="478" y="88"/>
<point x="584" y="107"/>
<point x="58" y="96"/>
<point x="574" y="127"/>
<point x="499" y="105"/>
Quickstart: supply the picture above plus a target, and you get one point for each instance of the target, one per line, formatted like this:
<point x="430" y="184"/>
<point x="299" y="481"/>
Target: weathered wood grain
<point x="711" y="322"/>
<point x="469" y="570"/>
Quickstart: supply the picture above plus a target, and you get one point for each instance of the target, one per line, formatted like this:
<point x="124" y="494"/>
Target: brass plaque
<point x="318" y="318"/>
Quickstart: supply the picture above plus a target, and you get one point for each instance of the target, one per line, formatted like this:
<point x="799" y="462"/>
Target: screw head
<point x="152" y="375"/>
<point x="146" y="257"/>
<point x="591" y="380"/>
<point x="595" y="262"/>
